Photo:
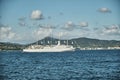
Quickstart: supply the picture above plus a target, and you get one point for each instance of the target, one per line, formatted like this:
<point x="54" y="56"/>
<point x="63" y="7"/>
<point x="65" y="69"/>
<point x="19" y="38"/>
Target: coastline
<point x="77" y="49"/>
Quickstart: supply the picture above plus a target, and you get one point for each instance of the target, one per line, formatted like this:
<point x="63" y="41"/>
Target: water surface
<point x="78" y="65"/>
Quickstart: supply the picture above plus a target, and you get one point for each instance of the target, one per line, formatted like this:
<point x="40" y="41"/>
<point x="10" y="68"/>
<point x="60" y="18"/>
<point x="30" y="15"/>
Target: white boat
<point x="49" y="48"/>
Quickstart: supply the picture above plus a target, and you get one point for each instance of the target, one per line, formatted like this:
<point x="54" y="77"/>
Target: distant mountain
<point x="80" y="42"/>
<point x="76" y="42"/>
<point x="87" y="42"/>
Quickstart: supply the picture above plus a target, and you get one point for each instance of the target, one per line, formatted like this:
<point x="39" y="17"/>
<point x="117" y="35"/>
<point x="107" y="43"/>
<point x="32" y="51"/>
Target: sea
<point x="77" y="65"/>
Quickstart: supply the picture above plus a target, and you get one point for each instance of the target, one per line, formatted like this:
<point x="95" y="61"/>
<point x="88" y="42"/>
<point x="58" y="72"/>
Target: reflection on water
<point x="78" y="65"/>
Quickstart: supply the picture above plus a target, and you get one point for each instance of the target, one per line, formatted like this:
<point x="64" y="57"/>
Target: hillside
<point x="80" y="42"/>
<point x="77" y="42"/>
<point x="10" y="46"/>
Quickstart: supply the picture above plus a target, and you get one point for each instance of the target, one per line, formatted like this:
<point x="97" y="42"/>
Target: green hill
<point x="80" y="42"/>
<point x="76" y="42"/>
<point x="10" y="46"/>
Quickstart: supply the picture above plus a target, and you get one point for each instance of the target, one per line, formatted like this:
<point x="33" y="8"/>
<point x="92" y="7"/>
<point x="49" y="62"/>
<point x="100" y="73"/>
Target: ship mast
<point x="50" y="29"/>
<point x="59" y="38"/>
<point x="51" y="38"/>
<point x="37" y="42"/>
<point x="67" y="42"/>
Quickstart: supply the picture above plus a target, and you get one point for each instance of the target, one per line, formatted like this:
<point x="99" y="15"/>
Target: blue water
<point x="78" y="65"/>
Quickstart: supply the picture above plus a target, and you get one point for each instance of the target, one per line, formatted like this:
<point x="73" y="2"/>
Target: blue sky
<point x="25" y="21"/>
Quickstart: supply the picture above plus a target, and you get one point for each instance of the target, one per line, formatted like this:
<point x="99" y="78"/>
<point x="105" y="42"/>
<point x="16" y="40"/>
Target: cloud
<point x="22" y="18"/>
<point x="69" y="26"/>
<point x="107" y="32"/>
<point x="6" y="33"/>
<point x="95" y="29"/>
<point x="104" y="10"/>
<point x="22" y="23"/>
<point x="62" y="34"/>
<point x="46" y="26"/>
<point x="41" y="33"/>
<point x="83" y="24"/>
<point x="36" y="15"/>
<point x="4" y="25"/>
<point x="111" y="30"/>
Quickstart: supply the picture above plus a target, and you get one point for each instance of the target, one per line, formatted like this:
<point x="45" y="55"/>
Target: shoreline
<point x="75" y="50"/>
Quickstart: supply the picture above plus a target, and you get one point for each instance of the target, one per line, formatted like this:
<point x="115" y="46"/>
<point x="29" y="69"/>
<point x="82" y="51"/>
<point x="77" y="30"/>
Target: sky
<point x="26" y="21"/>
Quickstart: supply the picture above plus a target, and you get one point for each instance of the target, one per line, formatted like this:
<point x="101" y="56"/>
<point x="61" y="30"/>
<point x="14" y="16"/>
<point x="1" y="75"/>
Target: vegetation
<point x="81" y="42"/>
<point x="78" y="42"/>
<point x="10" y="46"/>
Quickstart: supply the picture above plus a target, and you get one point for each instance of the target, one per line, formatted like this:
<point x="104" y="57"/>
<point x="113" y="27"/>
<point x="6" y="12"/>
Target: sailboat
<point x="49" y="48"/>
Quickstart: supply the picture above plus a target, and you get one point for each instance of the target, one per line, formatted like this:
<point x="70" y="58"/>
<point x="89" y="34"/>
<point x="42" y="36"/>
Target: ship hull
<point x="47" y="50"/>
